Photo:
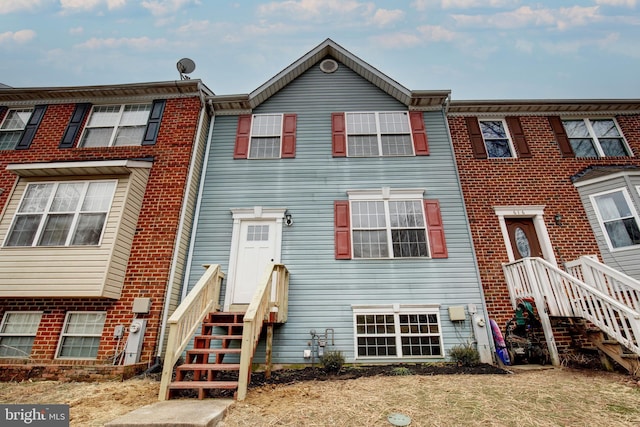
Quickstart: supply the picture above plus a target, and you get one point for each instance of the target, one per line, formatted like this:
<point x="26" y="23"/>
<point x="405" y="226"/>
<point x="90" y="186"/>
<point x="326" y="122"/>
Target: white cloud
<point x="422" y="5"/>
<point x="627" y="3"/>
<point x="436" y="33"/>
<point x="141" y="43"/>
<point x="424" y="35"/>
<point x="10" y="6"/>
<point x="76" y="30"/>
<point x="85" y="5"/>
<point x="18" y="37"/>
<point x="385" y="17"/>
<point x="194" y="27"/>
<point x="526" y="16"/>
<point x="166" y="7"/>
<point x="397" y="40"/>
<point x="320" y="10"/>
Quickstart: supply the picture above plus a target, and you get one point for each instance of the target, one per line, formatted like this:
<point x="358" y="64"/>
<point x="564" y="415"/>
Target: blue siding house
<point x="348" y="179"/>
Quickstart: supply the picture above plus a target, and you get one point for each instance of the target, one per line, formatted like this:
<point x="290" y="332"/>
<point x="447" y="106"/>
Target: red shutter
<point x="288" y="135"/>
<point x="435" y="228"/>
<point x="339" y="135"/>
<point x="475" y="134"/>
<point x="419" y="133"/>
<point x="561" y="136"/>
<point x="518" y="136"/>
<point x="241" y="150"/>
<point x="342" y="231"/>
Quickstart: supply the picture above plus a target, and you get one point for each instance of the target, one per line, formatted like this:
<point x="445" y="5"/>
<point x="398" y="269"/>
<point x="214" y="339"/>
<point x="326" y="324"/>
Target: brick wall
<point x="543" y="179"/>
<point x="152" y="249"/>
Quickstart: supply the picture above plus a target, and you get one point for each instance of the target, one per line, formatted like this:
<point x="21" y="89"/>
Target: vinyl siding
<point x="322" y="289"/>
<point x="87" y="271"/>
<point x="623" y="260"/>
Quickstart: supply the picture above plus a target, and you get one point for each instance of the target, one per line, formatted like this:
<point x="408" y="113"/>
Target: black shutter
<point x="32" y="127"/>
<point x="73" y="127"/>
<point x="153" y="124"/>
<point x="518" y="136"/>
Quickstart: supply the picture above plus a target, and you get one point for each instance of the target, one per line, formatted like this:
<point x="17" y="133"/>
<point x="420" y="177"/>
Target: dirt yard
<point x="551" y="397"/>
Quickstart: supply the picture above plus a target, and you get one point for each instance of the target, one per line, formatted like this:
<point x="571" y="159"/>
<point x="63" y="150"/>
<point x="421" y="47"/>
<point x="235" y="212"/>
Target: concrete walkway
<point x="176" y="413"/>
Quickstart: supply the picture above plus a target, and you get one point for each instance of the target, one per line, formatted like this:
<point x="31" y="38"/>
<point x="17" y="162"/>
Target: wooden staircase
<point x="206" y="367"/>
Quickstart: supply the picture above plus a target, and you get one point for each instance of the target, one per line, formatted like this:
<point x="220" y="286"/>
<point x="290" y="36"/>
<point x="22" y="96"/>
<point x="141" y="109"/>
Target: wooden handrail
<point x="201" y="300"/>
<point x="269" y="304"/>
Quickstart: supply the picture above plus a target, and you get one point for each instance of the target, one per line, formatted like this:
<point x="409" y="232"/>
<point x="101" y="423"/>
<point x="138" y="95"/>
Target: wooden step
<point x="223" y="324"/>
<point x="219" y="337"/>
<point x="209" y="367"/>
<point x="214" y="351"/>
<point x="202" y="386"/>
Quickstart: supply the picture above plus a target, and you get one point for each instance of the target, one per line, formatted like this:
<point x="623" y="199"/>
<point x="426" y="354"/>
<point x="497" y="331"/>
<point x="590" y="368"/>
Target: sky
<point x="478" y="49"/>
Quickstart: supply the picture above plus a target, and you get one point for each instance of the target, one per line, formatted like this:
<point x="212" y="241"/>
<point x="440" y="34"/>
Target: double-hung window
<point x="595" y="138"/>
<point x="618" y="218"/>
<point x="266" y="131"/>
<point x="65" y="213"/>
<point x="397" y="331"/>
<point x="17" y="333"/>
<point x="379" y="134"/>
<point x="116" y="125"/>
<point x="496" y="138"/>
<point x="12" y="127"/>
<point x="80" y="336"/>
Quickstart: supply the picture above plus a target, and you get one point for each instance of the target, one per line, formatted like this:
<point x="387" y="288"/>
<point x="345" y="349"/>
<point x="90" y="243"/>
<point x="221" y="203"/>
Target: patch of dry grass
<point x="554" y="397"/>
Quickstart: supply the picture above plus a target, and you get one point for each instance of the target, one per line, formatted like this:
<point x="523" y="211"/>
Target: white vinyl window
<point x="397" y="331"/>
<point x="116" y="125"/>
<point x="17" y="333"/>
<point x="266" y="136"/>
<point x="391" y="226"/>
<point x="379" y="134"/>
<point x="81" y="334"/>
<point x="496" y="138"/>
<point x="62" y="214"/>
<point x="12" y="126"/>
<point x="618" y="219"/>
<point x="596" y="138"/>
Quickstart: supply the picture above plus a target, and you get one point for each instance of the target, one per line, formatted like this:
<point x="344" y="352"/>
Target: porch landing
<point x="176" y="413"/>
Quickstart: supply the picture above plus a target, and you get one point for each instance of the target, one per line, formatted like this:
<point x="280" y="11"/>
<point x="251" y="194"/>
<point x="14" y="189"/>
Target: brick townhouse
<point x="97" y="189"/>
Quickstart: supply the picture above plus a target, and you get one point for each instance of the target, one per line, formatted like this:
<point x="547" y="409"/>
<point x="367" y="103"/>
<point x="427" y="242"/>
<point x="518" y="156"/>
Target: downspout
<point x="181" y="225"/>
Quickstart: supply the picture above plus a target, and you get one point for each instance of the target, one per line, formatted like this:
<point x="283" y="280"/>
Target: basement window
<point x="17" y="333"/>
<point x="81" y="334"/>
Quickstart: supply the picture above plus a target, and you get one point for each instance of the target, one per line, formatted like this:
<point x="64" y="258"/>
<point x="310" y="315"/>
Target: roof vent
<point x="328" y="66"/>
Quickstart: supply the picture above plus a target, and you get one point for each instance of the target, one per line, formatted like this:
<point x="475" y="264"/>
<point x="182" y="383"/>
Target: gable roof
<point x="415" y="100"/>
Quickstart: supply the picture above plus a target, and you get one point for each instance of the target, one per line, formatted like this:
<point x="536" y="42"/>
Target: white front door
<point x="256" y="249"/>
<point x="256" y="241"/>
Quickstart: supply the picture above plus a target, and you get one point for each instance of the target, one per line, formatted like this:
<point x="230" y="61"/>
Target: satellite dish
<point x="185" y="66"/>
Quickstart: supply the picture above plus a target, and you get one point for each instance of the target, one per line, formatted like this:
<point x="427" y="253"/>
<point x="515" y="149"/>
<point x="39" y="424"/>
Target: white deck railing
<point x="269" y="304"/>
<point x="619" y="286"/>
<point x="557" y="293"/>
<point x="200" y="301"/>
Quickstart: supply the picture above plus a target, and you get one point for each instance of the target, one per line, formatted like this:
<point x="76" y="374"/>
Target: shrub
<point x="332" y="361"/>
<point x="465" y="355"/>
<point x="400" y="371"/>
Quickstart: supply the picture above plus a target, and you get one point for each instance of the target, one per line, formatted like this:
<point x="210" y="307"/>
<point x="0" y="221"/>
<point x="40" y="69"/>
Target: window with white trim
<point x="67" y="213"/>
<point x="618" y="219"/>
<point x="12" y="127"/>
<point x="266" y="136"/>
<point x="116" y="125"/>
<point x="595" y="138"/>
<point x="373" y="134"/>
<point x="397" y="331"/>
<point x="81" y="334"/>
<point x="388" y="225"/>
<point x="17" y="333"/>
<point x="496" y="138"/>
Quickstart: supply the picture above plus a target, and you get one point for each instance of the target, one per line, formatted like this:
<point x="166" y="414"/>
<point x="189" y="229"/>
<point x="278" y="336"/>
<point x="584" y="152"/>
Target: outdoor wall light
<point x="287" y="219"/>
<point x="558" y="220"/>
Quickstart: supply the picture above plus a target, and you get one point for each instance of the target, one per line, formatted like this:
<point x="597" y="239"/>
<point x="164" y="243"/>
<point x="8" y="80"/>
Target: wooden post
<point x="269" y="350"/>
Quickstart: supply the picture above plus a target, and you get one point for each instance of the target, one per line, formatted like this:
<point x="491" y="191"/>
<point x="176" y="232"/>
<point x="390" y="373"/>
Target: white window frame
<point x="379" y="133"/>
<point x="397" y="310"/>
<point x="594" y="138"/>
<point x="116" y="126"/>
<point x="46" y="212"/>
<point x="257" y="136"/>
<point x="64" y="334"/>
<point x="17" y="131"/>
<point x="601" y="222"/>
<point x="385" y="195"/>
<point x="32" y="334"/>
<point x="506" y="132"/>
